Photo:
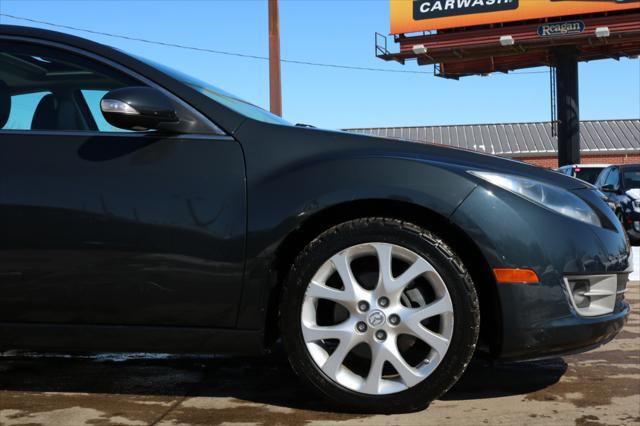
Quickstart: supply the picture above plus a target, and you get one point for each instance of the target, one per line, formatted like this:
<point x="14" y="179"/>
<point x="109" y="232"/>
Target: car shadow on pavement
<point x="485" y="379"/>
<point x="266" y="380"/>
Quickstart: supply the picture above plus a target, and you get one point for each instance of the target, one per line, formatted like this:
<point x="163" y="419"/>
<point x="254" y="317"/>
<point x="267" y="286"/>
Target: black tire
<point x="424" y="243"/>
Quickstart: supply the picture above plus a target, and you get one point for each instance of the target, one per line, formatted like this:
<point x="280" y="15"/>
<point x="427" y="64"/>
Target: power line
<point x="228" y="53"/>
<point x="202" y="49"/>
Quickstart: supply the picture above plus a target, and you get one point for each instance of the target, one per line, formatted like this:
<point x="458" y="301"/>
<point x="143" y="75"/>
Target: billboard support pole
<point x="568" y="106"/>
<point x="275" y="83"/>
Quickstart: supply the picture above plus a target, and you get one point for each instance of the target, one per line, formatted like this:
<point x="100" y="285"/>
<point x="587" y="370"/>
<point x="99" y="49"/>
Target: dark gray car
<point x="144" y="210"/>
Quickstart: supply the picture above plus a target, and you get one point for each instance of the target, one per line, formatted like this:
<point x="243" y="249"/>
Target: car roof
<point x="587" y="166"/>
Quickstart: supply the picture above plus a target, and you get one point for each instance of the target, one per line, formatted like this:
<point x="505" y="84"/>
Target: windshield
<point x="227" y="99"/>
<point x="631" y="178"/>
<point x="588" y="174"/>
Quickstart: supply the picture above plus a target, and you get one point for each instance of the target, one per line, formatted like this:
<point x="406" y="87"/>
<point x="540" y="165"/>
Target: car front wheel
<point x="379" y="315"/>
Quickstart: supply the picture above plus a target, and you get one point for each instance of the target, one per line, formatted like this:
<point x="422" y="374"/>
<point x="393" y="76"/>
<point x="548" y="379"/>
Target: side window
<point x="602" y="178"/>
<point x="50" y="89"/>
<point x="613" y="178"/>
<point x="22" y="108"/>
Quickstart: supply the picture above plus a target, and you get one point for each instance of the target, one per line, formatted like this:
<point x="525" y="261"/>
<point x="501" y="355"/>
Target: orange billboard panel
<point x="409" y="16"/>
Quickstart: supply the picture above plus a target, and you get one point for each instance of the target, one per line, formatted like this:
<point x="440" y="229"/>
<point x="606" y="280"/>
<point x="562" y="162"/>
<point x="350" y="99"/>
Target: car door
<point x="103" y="226"/>
<point x="609" y="177"/>
<point x="602" y="177"/>
<point x="612" y="182"/>
<point x="619" y="196"/>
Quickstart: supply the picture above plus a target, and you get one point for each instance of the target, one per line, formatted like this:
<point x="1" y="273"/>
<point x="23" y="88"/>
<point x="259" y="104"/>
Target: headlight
<point x="636" y="205"/>
<point x="548" y="196"/>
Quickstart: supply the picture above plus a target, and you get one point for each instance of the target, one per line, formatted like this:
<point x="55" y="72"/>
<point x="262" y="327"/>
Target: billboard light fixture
<point x="507" y="40"/>
<point x="602" y="32"/>
<point x="419" y="49"/>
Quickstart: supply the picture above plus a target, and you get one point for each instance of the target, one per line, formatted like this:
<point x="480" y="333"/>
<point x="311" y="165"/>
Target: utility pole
<point x="275" y="84"/>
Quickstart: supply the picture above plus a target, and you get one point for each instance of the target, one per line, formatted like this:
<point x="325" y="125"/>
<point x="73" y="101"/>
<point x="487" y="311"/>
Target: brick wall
<point x="552" y="162"/>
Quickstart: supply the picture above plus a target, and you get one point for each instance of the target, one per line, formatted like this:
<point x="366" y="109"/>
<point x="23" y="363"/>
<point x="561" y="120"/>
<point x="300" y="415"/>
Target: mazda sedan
<point x="145" y="210"/>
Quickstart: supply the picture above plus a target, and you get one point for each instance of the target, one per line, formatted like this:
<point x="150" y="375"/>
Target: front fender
<point x="317" y="170"/>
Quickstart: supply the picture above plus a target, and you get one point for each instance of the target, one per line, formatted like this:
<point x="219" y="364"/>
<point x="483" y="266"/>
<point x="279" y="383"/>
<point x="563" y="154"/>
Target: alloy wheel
<point x="377" y="318"/>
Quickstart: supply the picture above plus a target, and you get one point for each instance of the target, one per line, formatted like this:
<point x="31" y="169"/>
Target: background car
<point x="586" y="172"/>
<point x="621" y="185"/>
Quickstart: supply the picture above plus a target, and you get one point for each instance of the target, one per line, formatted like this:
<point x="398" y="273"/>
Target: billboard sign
<point x="409" y="16"/>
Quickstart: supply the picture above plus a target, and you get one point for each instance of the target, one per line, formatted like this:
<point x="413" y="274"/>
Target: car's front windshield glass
<point x="227" y="99"/>
<point x="631" y="177"/>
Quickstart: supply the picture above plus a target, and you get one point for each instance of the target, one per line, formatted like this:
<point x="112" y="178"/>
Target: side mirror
<point x="608" y="188"/>
<point x="140" y="108"/>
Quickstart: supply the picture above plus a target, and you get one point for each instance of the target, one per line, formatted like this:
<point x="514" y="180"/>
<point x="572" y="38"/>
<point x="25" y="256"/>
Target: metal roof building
<point x="612" y="141"/>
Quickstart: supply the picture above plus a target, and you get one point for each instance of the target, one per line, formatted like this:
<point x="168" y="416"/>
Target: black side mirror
<point x="140" y="108"/>
<point x="608" y="188"/>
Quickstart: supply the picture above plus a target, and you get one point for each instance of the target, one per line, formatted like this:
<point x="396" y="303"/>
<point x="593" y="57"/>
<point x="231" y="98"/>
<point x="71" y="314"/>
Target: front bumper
<point x="632" y="226"/>
<point x="553" y="327"/>
<point x="539" y="320"/>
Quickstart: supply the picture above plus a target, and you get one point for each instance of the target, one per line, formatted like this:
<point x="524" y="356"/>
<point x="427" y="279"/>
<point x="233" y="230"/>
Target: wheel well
<point x="458" y="240"/>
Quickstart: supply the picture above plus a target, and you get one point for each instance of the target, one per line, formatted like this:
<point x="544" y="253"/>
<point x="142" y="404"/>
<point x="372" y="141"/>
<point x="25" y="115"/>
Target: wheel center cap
<point x="376" y="318"/>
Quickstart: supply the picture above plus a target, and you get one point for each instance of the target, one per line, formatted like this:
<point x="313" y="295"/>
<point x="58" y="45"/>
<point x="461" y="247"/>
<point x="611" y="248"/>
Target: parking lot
<point x="601" y="387"/>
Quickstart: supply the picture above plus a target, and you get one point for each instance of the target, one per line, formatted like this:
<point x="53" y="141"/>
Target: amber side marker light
<point x="516" y="276"/>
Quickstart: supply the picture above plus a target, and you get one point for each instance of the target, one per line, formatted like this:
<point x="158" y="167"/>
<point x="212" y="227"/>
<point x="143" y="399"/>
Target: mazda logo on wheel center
<point x="376" y="318"/>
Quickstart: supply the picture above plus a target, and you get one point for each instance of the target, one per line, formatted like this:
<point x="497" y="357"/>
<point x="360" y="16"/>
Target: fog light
<point x="580" y="288"/>
<point x="592" y="295"/>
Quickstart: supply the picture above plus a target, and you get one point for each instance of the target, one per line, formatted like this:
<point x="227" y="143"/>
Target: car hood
<point x="634" y="193"/>
<point x="459" y="158"/>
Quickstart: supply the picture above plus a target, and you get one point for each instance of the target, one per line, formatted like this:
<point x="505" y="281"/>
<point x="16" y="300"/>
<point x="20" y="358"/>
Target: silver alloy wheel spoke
<point x="322" y="291"/>
<point x="435" y="308"/>
<point x="342" y="264"/>
<point x="391" y="284"/>
<point x="335" y="360"/>
<point x="419" y="267"/>
<point x="379" y="334"/>
<point x="374" y="377"/>
<point x="313" y="333"/>
<point x="410" y="376"/>
<point x="413" y="322"/>
<point x="384" y="263"/>
<point x="438" y="343"/>
<point x="382" y="353"/>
